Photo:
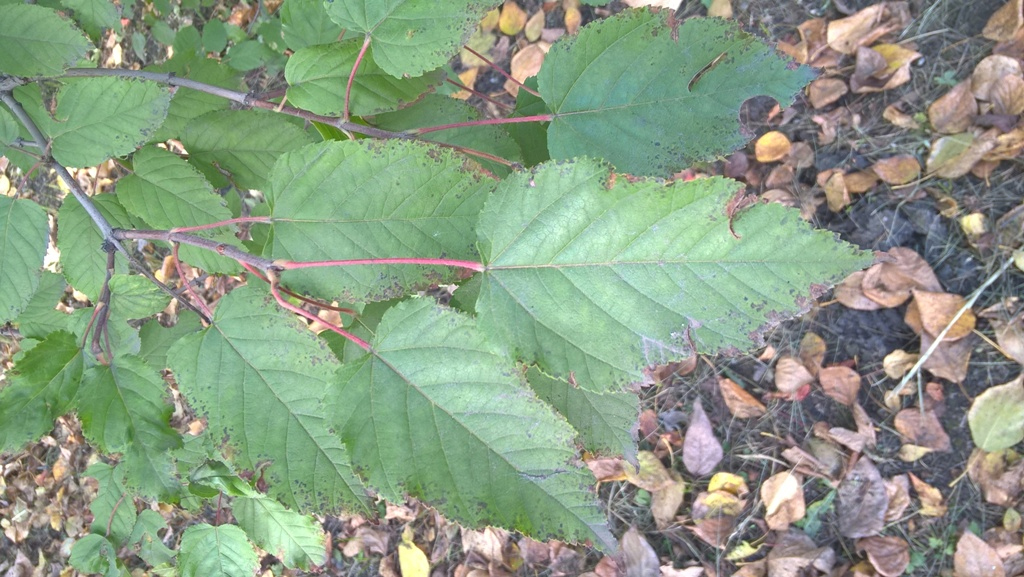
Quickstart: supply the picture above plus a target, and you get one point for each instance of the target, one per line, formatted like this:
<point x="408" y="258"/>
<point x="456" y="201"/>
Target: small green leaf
<point x="297" y="540"/>
<point x="410" y="36"/>
<point x="136" y="297"/>
<point x="318" y="75"/>
<point x="9" y="128"/>
<point x="606" y="277"/>
<point x="113" y="511"/>
<point x="41" y="387"/>
<point x="37" y="41"/>
<point x="435" y="412"/>
<point x="167" y="192"/>
<point x="215" y="36"/>
<point x="244" y="143"/>
<point x="98" y="118"/>
<point x="270" y="407"/>
<point x="605" y="421"/>
<point x="41" y="317"/>
<point x="652" y="95"/>
<point x="94" y="554"/>
<point x="222" y="551"/>
<point x="367" y="199"/>
<point x="24" y="232"/>
<point x="95" y="15"/>
<point x="304" y="23"/>
<point x="434" y="110"/>
<point x="250" y="55"/>
<point x="996" y="417"/>
<point x="82" y="258"/>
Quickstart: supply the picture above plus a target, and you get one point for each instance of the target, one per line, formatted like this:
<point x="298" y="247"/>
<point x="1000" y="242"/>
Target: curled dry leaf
<point x="1010" y="336"/>
<point x="837" y="195"/>
<point x="701" y="450"/>
<point x="840" y="383"/>
<point x="1005" y="22"/>
<point x="996" y="416"/>
<point x="666" y="501"/>
<point x="953" y="156"/>
<point x="949" y="359"/>
<point x="999" y="475"/>
<point x="791" y="376"/>
<point x="526" y="63"/>
<point x="607" y="469"/>
<point x="976" y="558"/>
<point x="862" y="501"/>
<point x="898" y="490"/>
<point x="990" y="72"/>
<point x="1008" y="96"/>
<point x="955" y="110"/>
<point x="783" y="496"/>
<point x="890" y="283"/>
<point x="795" y="554"/>
<point x="897" y="169"/>
<point x="860" y="181"/>
<point x="740" y="403"/>
<point x="812" y="352"/>
<point x="922" y="428"/>
<point x="730" y="483"/>
<point x="638" y="557"/>
<point x="652" y="475"/>
<point x="898" y="362"/>
<point x="825" y="91"/>
<point x="931" y="499"/>
<point x="890" y="556"/>
<point x="881" y="67"/>
<point x="851" y="294"/>
<point x="772" y="147"/>
<point x="863" y="438"/>
<point x="897" y="117"/>
<point x="931" y="312"/>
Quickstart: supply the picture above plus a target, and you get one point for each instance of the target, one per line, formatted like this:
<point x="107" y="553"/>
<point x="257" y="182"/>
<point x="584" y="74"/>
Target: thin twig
<point x="352" y="77"/>
<point x="912" y="373"/>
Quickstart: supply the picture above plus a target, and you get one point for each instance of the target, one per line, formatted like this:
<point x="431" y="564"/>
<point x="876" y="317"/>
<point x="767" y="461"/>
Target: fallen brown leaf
<point x="890" y="283"/>
<point x="999" y="475"/>
<point x="1008" y="96"/>
<point x="898" y="362"/>
<point x="898" y="491"/>
<point x="795" y="554"/>
<point x="740" y="403"/>
<point x="897" y="170"/>
<point x="607" y="469"/>
<point x="652" y="475"/>
<point x="990" y="72"/>
<point x="720" y="9"/>
<point x="791" y="376"/>
<point x="954" y="111"/>
<point x="783" y="496"/>
<point x="851" y="294"/>
<point x="931" y="312"/>
<point x="922" y="428"/>
<point x="638" y="557"/>
<point x="953" y="156"/>
<point x="890" y="556"/>
<point x="840" y="383"/>
<point x="976" y="558"/>
<point x="667" y="500"/>
<point x="949" y="359"/>
<point x="931" y="498"/>
<point x="701" y="450"/>
<point x="1005" y="22"/>
<point x="862" y="501"/>
<point x="862" y="438"/>
<point x="526" y="63"/>
<point x="867" y="26"/>
<point x="860" y="181"/>
<point x="897" y="117"/>
<point x="812" y="352"/>
<point x="513" y="18"/>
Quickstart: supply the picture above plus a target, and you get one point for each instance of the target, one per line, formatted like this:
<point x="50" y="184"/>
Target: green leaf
<point x="410" y="36"/>
<point x="996" y="416"/>
<point x="259" y="376"/>
<point x="113" y="511"/>
<point x="167" y="192"/>
<point x="188" y="103"/>
<point x="318" y="75"/>
<point x="82" y="258"/>
<point x="122" y="408"/>
<point x="605" y="277"/>
<point x="98" y="118"/>
<point x="9" y="128"/>
<point x="215" y="36"/>
<point x="367" y="199"/>
<point x="41" y="317"/>
<point x="145" y="534"/>
<point x="37" y="41"/>
<point x="532" y="137"/>
<point x="24" y="232"/>
<point x="94" y="554"/>
<point x="434" y="110"/>
<point x="222" y="551"/>
<point x="41" y="387"/>
<point x="652" y="95"/>
<point x="135" y="297"/>
<point x="297" y="540"/>
<point x="304" y="23"/>
<point x="244" y="143"/>
<point x="437" y="413"/>
<point x="252" y="54"/>
<point x="605" y="421"/>
<point x="214" y="477"/>
<point x="95" y="15"/>
<point x="158" y="339"/>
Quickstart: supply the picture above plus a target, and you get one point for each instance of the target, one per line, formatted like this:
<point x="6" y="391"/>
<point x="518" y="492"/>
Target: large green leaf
<point x="606" y="422"/>
<point x="438" y="413"/>
<point x="135" y="297"/>
<point x="167" y="192"/>
<point x="113" y="512"/>
<point x="38" y="42"/>
<point x="259" y="378"/>
<point x="222" y="551"/>
<point x="40" y="388"/>
<point x="366" y="199"/>
<point x="304" y="23"/>
<point x="24" y="233"/>
<point x="98" y="118"/>
<point x="295" y="539"/>
<point x="410" y="36"/>
<point x="158" y="339"/>
<point x="188" y="103"/>
<point x="41" y="317"/>
<point x="435" y="109"/>
<point x="95" y="15"/>
<point x="93" y="554"/>
<point x="122" y="408"/>
<point x="653" y="95"/>
<point x="82" y="258"/>
<point x="605" y="277"/>
<point x="245" y="143"/>
<point x="317" y="77"/>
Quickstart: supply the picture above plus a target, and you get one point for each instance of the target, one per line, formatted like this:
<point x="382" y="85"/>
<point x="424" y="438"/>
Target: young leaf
<point x="38" y="42"/>
<point x="410" y="37"/>
<point x="651" y="270"/>
<point x="434" y="109"/>
<point x="293" y="538"/>
<point x="222" y="551"/>
<point x="653" y="95"/>
<point x="95" y="15"/>
<point x="40" y="388"/>
<point x="113" y="512"/>
<point x="260" y="378"/>
<point x="244" y="143"/>
<point x="82" y="258"/>
<point x="304" y="23"/>
<point x="93" y="554"/>
<point x="365" y="199"/>
<point x="167" y="192"/>
<point x="606" y="422"/>
<point x="98" y="118"/>
<point x="41" y="317"/>
<point x="317" y="77"/>
<point x="436" y="412"/>
<point x="24" y="232"/>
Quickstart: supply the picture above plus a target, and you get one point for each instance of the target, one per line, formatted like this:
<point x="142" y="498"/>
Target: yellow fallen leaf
<point x="490" y="21"/>
<point x="512" y="19"/>
<point x="526" y="63"/>
<point x="728" y="482"/>
<point x="772" y="147"/>
<point x="720" y="9"/>
<point x="897" y="169"/>
<point x="411" y="559"/>
<point x="909" y="453"/>
<point x="468" y="79"/>
<point x="534" y="26"/>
